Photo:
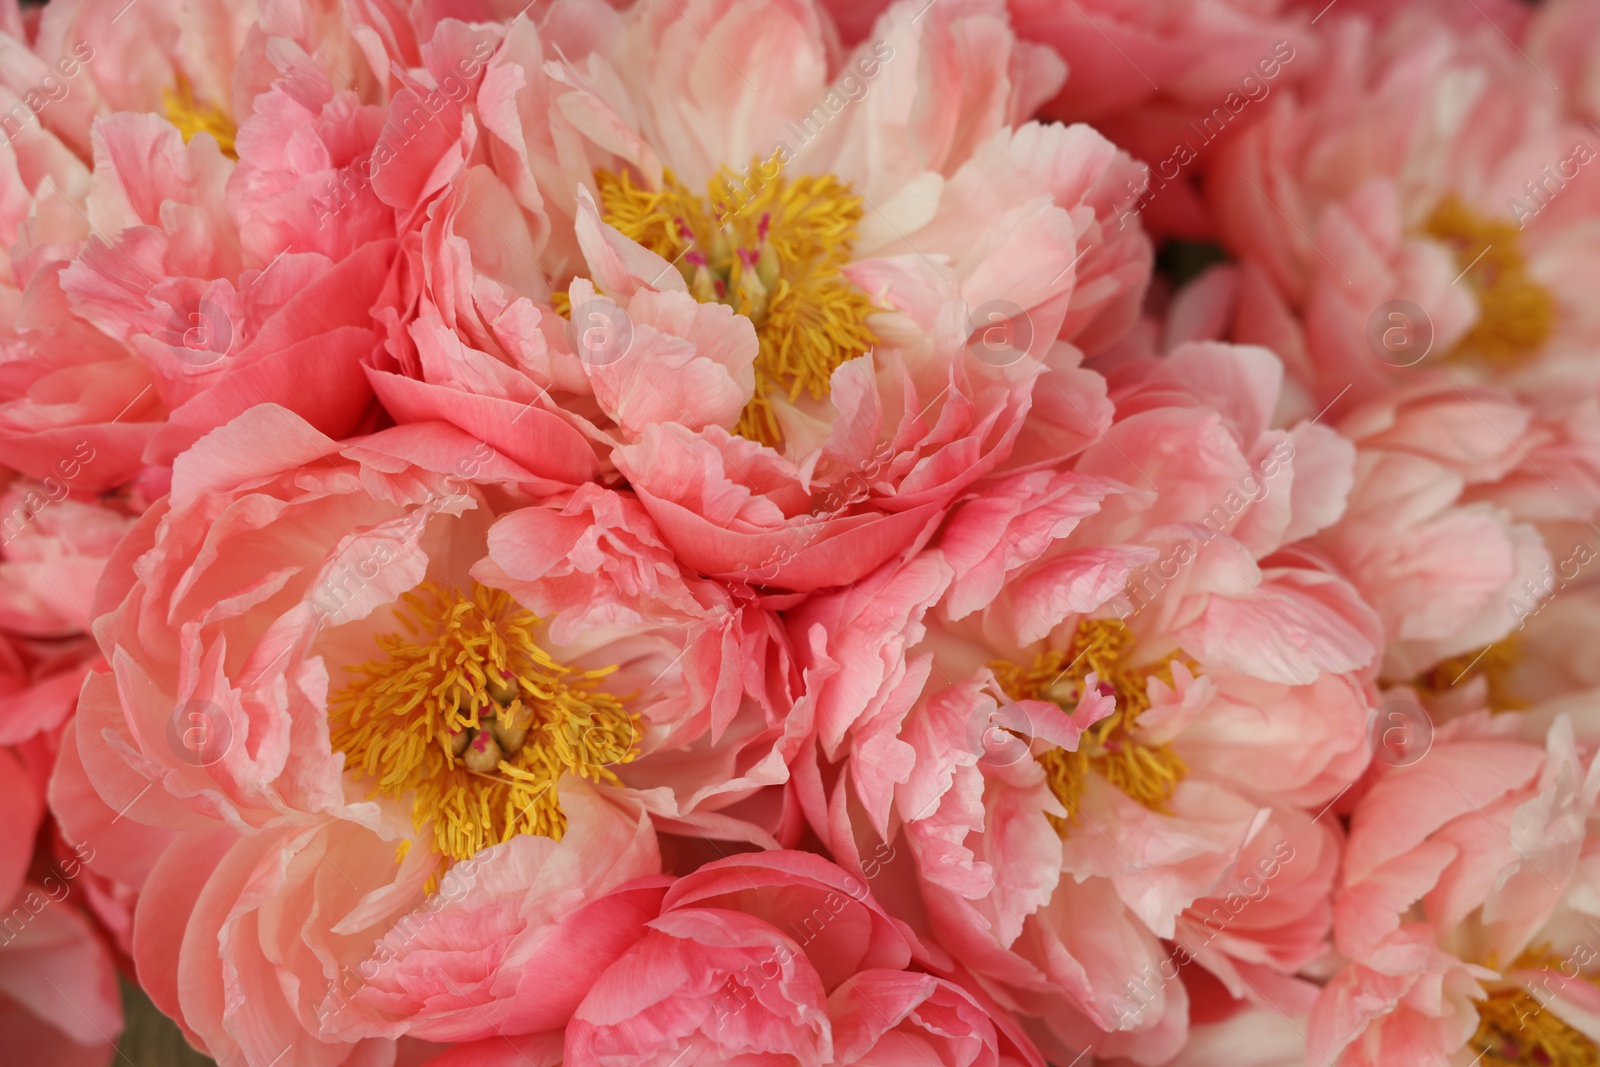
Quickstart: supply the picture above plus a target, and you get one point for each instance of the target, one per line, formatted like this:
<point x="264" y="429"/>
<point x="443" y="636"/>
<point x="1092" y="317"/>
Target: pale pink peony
<point x="236" y="739"/>
<point x="1426" y="537"/>
<point x="1163" y="80"/>
<point x="1407" y="1003"/>
<point x="52" y="550"/>
<point x="1430" y="164"/>
<point x="1488" y="878"/>
<point x="193" y="280"/>
<point x="1129" y="589"/>
<point x="958" y="222"/>
<point x="783" y="957"/>
<point x="1169" y="82"/>
<point x="1467" y="498"/>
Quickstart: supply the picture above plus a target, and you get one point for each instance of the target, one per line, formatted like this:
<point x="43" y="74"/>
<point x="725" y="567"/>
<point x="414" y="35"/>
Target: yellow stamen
<point x="400" y="722"/>
<point x="774" y="250"/>
<point x="192" y="116"/>
<point x="1516" y="313"/>
<point x="1494" y="664"/>
<point x="1515" y="1029"/>
<point x="1147" y="773"/>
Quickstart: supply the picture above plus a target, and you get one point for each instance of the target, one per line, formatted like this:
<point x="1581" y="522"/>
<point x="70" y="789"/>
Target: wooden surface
<point x="150" y="1039"/>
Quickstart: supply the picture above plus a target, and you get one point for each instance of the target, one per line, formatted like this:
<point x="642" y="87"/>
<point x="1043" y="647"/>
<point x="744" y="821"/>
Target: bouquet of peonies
<point x="801" y="533"/>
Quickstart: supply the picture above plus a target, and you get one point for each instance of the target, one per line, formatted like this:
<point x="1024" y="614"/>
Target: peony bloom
<point x="1164" y="81"/>
<point x="52" y="551"/>
<point x="1424" y="202"/>
<point x="1088" y="696"/>
<point x="1428" y="538"/>
<point x="399" y="654"/>
<point x="1472" y="923"/>
<point x="59" y="1002"/>
<point x="1177" y="80"/>
<point x="1409" y="1002"/>
<point x="192" y="281"/>
<point x="797" y="317"/>
<point x="1467" y="499"/>
<point x="782" y="956"/>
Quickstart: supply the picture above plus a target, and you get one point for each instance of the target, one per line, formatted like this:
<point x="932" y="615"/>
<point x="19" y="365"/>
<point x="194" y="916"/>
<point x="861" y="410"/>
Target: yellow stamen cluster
<point x="1147" y="773"/>
<point x="774" y="249"/>
<point x="470" y="718"/>
<point x="1516" y="313"/>
<point x="1516" y="1030"/>
<point x="192" y="116"/>
<point x="1494" y="664"/>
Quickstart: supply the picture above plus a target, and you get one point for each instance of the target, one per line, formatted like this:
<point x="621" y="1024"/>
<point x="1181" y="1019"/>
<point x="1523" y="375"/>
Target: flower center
<point x="1493" y="663"/>
<point x="1516" y="313"/>
<point x="466" y="714"/>
<point x="193" y="116"/>
<point x="774" y="250"/>
<point x="1147" y="773"/>
<point x="1516" y="1029"/>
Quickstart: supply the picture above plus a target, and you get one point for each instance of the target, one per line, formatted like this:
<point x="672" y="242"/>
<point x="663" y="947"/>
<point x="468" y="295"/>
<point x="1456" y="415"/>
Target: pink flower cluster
<point x="779" y="533"/>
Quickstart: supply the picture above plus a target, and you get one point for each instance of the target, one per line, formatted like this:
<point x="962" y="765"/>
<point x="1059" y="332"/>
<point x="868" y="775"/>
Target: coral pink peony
<point x="782" y="957"/>
<point x="192" y="280"/>
<point x="59" y="1003"/>
<point x="1117" y="617"/>
<point x="798" y="322"/>
<point x="1485" y="886"/>
<point x="336" y="599"/>
<point x="1423" y="202"/>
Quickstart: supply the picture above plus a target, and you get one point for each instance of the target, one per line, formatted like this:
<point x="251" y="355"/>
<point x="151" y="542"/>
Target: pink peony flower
<point x="59" y="1002"/>
<point x="1488" y="879"/>
<point x="192" y="280"/>
<point x="1410" y="1002"/>
<point x="1088" y="697"/>
<point x="1165" y="81"/>
<point x="1169" y="82"/>
<point x="54" y="549"/>
<point x="1422" y="200"/>
<point x="770" y="449"/>
<point x="368" y="659"/>
<point x="782" y="955"/>
<point x="1467" y="500"/>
